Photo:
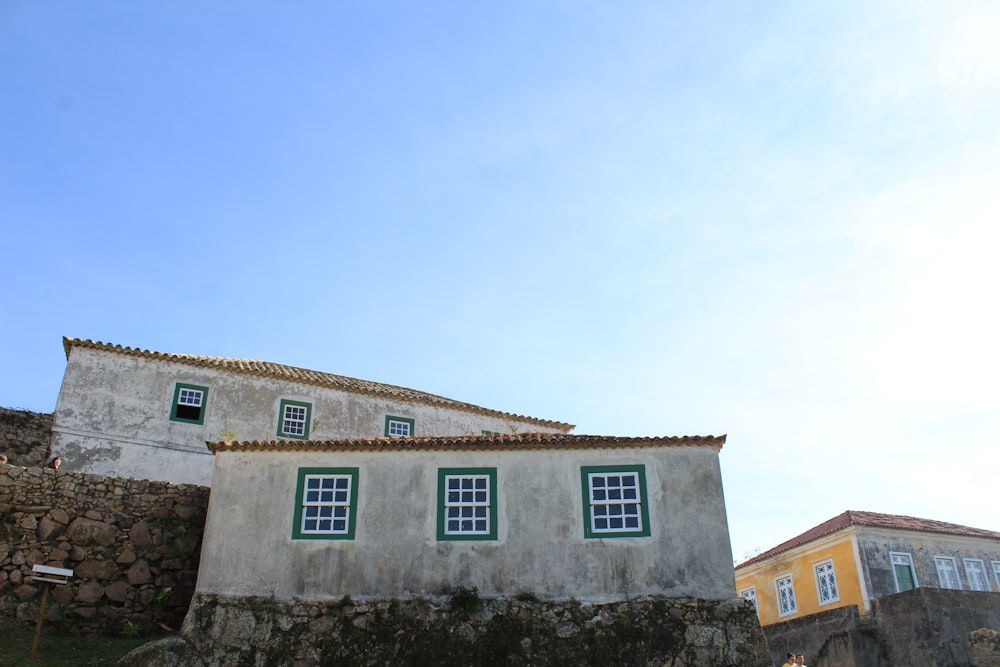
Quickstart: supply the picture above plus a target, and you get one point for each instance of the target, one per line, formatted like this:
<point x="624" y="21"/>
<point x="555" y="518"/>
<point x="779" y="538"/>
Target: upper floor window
<point x="467" y="507"/>
<point x="326" y="502"/>
<point x="751" y="595"/>
<point x="189" y="403"/>
<point x="786" y="596"/>
<point x="398" y="426"/>
<point x="902" y="570"/>
<point x="614" y="501"/>
<point x="975" y="574"/>
<point x="947" y="572"/>
<point x="826" y="583"/>
<point x="293" y="419"/>
<point x="996" y="572"/>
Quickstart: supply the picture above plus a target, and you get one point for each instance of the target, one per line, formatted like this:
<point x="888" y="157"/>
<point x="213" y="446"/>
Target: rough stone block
<point x="139" y="573"/>
<point x="102" y="570"/>
<point x="24" y="591"/>
<point x="87" y="531"/>
<point x="89" y="592"/>
<point x="117" y="591"/>
<point x="49" y="529"/>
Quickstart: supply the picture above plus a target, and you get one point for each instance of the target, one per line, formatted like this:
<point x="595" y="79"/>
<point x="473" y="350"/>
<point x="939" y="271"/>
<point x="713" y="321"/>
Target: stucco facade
<point x="857" y="557"/>
<point x="542" y="542"/>
<point x="134" y="413"/>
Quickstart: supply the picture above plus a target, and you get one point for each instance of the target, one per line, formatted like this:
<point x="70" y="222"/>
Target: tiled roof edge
<point x="316" y="378"/>
<point x="499" y="442"/>
<point x="872" y="520"/>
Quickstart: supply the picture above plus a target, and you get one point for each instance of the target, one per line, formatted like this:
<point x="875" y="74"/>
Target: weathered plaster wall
<point x="876" y="546"/>
<point x="540" y="546"/>
<point x="133" y="545"/>
<point x="113" y="416"/>
<point x="462" y="630"/>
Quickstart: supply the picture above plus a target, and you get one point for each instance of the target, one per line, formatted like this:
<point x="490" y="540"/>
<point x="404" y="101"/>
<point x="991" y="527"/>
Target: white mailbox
<point x="53" y="575"/>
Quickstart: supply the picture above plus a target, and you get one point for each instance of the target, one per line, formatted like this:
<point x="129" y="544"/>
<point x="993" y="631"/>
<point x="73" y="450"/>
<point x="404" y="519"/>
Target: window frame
<point x="778" y="587"/>
<point x="589" y="532"/>
<point x="831" y="575"/>
<point x="909" y="563"/>
<point x="982" y="573"/>
<point x="287" y="402"/>
<point x="175" y="403"/>
<point x="352" y="512"/>
<point x="442" y="504"/>
<point x="940" y="561"/>
<point x="389" y="419"/>
<point x="996" y="572"/>
<point x="750" y="593"/>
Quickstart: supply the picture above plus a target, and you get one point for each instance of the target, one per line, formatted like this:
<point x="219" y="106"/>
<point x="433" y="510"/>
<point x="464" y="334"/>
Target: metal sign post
<point x="50" y="575"/>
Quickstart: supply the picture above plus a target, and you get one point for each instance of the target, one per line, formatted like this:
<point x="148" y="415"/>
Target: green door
<point x="905" y="581"/>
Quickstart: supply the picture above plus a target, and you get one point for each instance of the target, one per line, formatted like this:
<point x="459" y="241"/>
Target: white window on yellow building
<point x="786" y="596"/>
<point x="751" y="595"/>
<point x="826" y="583"/>
<point x="975" y="574"/>
<point x="947" y="572"/>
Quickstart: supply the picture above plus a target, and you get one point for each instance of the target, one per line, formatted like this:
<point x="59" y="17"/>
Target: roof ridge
<point x="871" y="520"/>
<point x="311" y="377"/>
<point x="513" y="441"/>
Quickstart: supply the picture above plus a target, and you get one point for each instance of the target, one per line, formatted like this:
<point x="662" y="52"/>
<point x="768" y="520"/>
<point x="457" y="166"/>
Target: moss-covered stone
<point x="448" y="631"/>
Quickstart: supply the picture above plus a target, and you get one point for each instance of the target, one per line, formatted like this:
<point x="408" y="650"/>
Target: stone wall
<point x="923" y="627"/>
<point x="25" y="436"/>
<point x="462" y="630"/>
<point x="134" y="546"/>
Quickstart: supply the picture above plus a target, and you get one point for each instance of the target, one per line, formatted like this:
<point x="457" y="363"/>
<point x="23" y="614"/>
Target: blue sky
<point x="777" y="221"/>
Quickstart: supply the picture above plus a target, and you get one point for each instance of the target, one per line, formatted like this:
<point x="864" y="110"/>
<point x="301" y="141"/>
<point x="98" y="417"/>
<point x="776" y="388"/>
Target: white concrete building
<point x="555" y="515"/>
<point x="135" y="413"/>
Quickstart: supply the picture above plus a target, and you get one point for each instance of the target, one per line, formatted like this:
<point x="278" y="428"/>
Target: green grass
<point x="57" y="650"/>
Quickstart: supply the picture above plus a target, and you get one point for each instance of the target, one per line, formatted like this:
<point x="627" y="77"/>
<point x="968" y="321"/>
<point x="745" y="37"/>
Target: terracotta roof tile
<point x="305" y="376"/>
<point x="872" y="520"/>
<point x="500" y="442"/>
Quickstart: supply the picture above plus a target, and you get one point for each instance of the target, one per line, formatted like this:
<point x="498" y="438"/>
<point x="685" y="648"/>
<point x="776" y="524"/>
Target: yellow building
<point x="856" y="557"/>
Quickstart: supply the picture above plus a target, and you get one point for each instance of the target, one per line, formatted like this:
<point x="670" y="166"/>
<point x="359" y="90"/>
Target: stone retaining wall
<point x="133" y="544"/>
<point x="923" y="627"/>
<point x="462" y="630"/>
<point x="25" y="436"/>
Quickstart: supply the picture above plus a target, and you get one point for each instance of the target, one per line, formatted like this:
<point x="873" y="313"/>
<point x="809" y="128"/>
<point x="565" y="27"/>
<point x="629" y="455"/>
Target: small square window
<point x="189" y="403"/>
<point x="614" y="501"/>
<point x="326" y="501"/>
<point x="398" y="427"/>
<point x="467" y="504"/>
<point x="293" y="419"/>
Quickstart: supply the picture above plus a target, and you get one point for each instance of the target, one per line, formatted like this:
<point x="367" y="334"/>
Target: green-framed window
<point x="398" y="426"/>
<point x="467" y="504"/>
<point x="293" y="419"/>
<point x="189" y="404"/>
<point x="614" y="501"/>
<point x="326" y="502"/>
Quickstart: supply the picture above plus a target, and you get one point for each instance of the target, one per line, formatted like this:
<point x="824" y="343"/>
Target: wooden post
<point x="49" y="575"/>
<point x="38" y="626"/>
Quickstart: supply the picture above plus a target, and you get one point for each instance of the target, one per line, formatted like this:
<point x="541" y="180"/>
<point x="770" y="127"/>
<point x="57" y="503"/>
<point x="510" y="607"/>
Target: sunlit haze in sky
<point x="778" y="221"/>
